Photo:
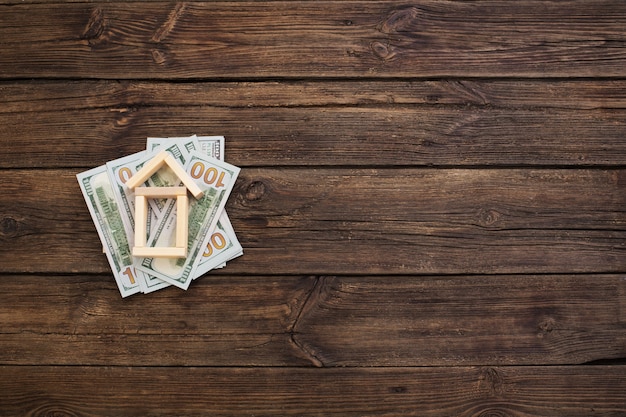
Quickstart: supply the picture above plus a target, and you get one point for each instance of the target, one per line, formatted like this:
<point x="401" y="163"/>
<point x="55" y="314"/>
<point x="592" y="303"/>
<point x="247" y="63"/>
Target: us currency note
<point x="190" y="143"/>
<point x="216" y="179"/>
<point x="208" y="145"/>
<point x="119" y="171"/>
<point x="212" y="146"/>
<point x="221" y="247"/>
<point x="105" y="212"/>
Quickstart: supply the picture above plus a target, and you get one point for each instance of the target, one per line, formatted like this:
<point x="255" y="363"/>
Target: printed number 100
<point x="217" y="241"/>
<point x="210" y="176"/>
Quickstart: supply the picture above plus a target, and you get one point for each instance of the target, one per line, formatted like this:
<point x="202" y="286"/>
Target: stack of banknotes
<point x="211" y="239"/>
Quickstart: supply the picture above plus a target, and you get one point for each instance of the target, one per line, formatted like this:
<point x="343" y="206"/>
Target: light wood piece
<point x="156" y="163"/>
<point x="141" y="218"/>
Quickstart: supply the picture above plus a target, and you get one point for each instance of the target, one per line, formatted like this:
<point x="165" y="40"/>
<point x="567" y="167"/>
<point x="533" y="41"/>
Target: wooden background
<point x="432" y="206"/>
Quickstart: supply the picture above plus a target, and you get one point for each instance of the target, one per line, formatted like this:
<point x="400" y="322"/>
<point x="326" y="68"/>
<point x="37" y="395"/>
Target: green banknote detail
<point x="99" y="196"/>
<point x="117" y="232"/>
<point x="216" y="178"/>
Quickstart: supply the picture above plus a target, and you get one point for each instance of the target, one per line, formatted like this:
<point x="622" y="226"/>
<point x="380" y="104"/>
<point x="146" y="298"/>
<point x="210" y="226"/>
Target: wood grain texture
<point x="328" y="136"/>
<point x="300" y="39"/>
<point x="325" y="321"/>
<point x="441" y="123"/>
<point x="72" y="95"/>
<point x="192" y="391"/>
<point x="503" y="320"/>
<point x="365" y="221"/>
<point x="431" y="207"/>
<point x="225" y="321"/>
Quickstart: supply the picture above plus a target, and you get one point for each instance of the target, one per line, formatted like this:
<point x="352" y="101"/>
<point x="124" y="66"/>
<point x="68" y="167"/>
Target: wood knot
<point x="255" y="191"/>
<point x="8" y="227"/>
<point x="400" y="20"/>
<point x="382" y="50"/>
<point x="491" y="381"/>
<point x="493" y="413"/>
<point x="123" y="116"/>
<point x="546" y="327"/>
<point x="54" y="411"/>
<point x="158" y="57"/>
<point x="95" y="27"/>
<point x="488" y="217"/>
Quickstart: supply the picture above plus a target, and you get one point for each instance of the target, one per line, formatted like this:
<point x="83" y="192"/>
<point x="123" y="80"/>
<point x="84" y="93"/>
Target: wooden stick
<point x="158" y="252"/>
<point x="182" y="206"/>
<point x="141" y="219"/>
<point x="161" y="192"/>
<point x="148" y="169"/>
<point x="184" y="177"/>
<point x="155" y="164"/>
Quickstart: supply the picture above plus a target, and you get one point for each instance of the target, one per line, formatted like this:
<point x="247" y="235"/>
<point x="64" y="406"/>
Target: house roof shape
<point x="157" y="162"/>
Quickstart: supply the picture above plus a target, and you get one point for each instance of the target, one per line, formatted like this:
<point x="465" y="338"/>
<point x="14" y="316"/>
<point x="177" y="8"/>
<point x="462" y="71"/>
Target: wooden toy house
<point x="142" y="194"/>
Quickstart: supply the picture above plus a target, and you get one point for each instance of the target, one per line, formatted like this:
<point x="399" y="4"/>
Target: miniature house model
<point x="141" y="206"/>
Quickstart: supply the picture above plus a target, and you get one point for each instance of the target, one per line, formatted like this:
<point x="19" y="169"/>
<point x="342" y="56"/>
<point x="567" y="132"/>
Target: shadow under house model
<point x="141" y="206"/>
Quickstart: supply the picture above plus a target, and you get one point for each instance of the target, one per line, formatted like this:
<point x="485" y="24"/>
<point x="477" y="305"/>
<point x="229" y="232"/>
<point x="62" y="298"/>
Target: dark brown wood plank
<point x="324" y="136"/>
<point x="68" y="95"/>
<point x="358" y="221"/>
<point x="432" y="221"/>
<point x="321" y="123"/>
<point x="300" y="39"/>
<point x="511" y="391"/>
<point x="229" y="305"/>
<point x="451" y="321"/>
<point x="309" y="321"/>
<point x="431" y="207"/>
<point x="70" y="320"/>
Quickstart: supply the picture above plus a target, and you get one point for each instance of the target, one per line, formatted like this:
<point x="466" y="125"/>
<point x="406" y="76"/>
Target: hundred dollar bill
<point x="212" y="146"/>
<point x="119" y="171"/>
<point x="190" y="143"/>
<point x="98" y="193"/>
<point x="221" y="247"/>
<point x="216" y="179"/>
<point x="208" y="145"/>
